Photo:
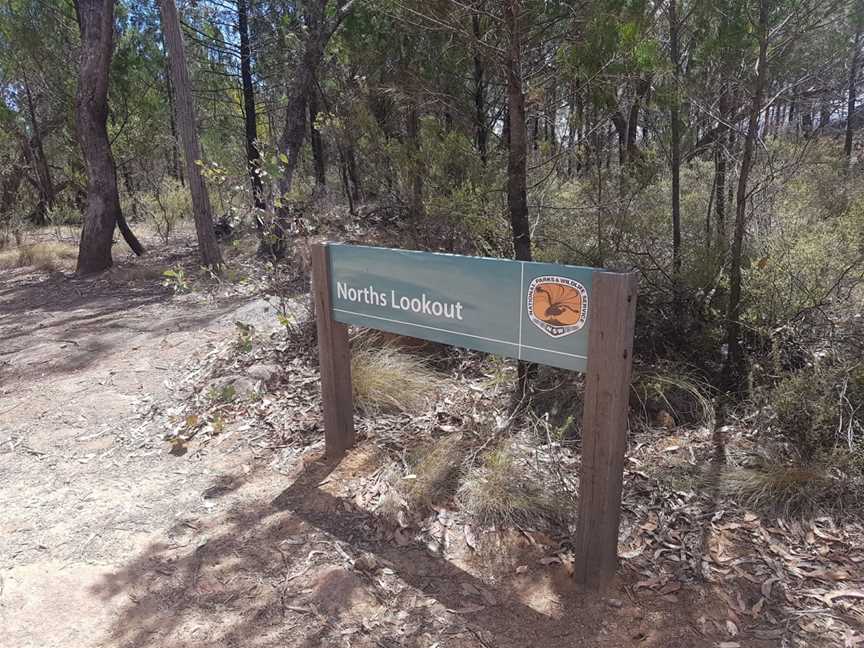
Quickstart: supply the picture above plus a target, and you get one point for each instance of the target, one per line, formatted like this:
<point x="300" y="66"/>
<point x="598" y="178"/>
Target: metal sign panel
<point x="539" y="312"/>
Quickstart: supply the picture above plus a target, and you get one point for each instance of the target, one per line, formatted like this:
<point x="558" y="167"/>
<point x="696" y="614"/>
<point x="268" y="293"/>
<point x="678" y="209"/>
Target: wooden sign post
<point x="580" y="319"/>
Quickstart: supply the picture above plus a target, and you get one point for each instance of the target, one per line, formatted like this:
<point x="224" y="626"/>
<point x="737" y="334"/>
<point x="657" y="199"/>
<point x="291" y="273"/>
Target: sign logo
<point x="558" y="306"/>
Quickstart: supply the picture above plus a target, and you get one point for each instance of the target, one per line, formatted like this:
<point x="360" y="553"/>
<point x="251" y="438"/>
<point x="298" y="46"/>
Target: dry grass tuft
<point x="790" y="489"/>
<point x="48" y="257"/>
<point x="387" y="380"/>
<point x="673" y="398"/>
<point x="435" y="472"/>
<point x="504" y="489"/>
<point x="135" y="273"/>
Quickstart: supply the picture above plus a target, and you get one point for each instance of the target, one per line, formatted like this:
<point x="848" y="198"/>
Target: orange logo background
<point x="557" y="304"/>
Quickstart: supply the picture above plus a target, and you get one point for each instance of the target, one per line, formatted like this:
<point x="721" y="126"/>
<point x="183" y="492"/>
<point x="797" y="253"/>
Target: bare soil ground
<point x="111" y="537"/>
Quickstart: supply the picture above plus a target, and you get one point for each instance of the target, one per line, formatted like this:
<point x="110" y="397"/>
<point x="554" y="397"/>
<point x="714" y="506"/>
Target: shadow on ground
<point x="305" y="569"/>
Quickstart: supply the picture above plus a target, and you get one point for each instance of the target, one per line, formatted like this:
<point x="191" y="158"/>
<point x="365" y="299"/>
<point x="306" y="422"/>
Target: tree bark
<point x="517" y="193"/>
<point x="676" y="162"/>
<point x="416" y="173"/>
<point x="208" y="246"/>
<point x="853" y="80"/>
<point x="47" y="193"/>
<point x="294" y="131"/>
<point x="735" y="360"/>
<point x="481" y="129"/>
<point x="91" y="111"/>
<point x="319" y="161"/>
<point x="720" y="172"/>
<point x="250" y="113"/>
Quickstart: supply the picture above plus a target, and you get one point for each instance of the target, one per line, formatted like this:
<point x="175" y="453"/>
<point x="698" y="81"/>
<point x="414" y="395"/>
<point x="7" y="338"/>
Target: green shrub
<point x="818" y="410"/>
<point x="166" y="206"/>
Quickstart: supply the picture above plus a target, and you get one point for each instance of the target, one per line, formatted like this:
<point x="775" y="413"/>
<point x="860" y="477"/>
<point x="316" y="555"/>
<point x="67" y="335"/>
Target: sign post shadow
<point x="581" y="319"/>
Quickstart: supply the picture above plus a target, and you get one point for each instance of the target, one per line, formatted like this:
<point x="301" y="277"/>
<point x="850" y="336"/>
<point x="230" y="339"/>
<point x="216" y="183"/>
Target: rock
<point x="632" y="612"/>
<point x="337" y="591"/>
<point x="230" y="388"/>
<point x="615" y="603"/>
<point x="263" y="372"/>
<point x="366" y="563"/>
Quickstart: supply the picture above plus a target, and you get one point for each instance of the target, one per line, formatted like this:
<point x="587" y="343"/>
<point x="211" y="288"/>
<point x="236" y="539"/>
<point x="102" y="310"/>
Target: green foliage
<point x="245" y="337"/>
<point x="223" y="394"/>
<point x="820" y="410"/>
<point x="176" y="279"/>
<point x="165" y="207"/>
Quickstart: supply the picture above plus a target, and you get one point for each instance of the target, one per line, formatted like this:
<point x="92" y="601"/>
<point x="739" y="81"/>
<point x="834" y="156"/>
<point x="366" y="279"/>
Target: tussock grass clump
<point x="135" y="273"/>
<point x="790" y="489"/>
<point x="386" y="379"/>
<point x="436" y="471"/>
<point x="504" y="490"/>
<point x="671" y="398"/>
<point x="48" y="257"/>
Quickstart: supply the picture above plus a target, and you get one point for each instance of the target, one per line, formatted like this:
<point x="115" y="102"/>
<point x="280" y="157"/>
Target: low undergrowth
<point x="386" y="379"/>
<point x="47" y="257"/>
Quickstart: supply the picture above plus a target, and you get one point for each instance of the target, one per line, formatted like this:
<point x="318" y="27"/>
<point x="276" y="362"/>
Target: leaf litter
<point x="784" y="581"/>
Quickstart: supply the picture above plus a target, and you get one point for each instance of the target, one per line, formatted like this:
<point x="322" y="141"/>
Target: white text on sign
<point x="422" y="304"/>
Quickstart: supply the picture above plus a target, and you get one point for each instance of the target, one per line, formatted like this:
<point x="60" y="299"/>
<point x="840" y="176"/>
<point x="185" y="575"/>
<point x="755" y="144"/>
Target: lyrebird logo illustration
<point x="558" y="306"/>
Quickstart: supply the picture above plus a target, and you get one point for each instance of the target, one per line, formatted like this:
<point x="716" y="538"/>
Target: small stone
<point x="615" y="603"/>
<point x="367" y="563"/>
<point x="262" y="372"/>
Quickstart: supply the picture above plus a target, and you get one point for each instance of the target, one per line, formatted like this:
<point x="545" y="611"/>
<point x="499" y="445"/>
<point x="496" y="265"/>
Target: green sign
<point x="538" y="312"/>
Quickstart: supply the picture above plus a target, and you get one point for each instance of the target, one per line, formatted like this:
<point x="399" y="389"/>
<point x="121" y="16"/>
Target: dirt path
<point x="85" y="480"/>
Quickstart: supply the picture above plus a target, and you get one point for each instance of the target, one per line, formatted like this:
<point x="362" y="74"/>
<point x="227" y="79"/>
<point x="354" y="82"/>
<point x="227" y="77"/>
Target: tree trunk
<point x="47" y="193"/>
<point x="720" y="172"/>
<point x="294" y="131"/>
<point x="481" y="129"/>
<point x="676" y="163"/>
<point x="735" y="360"/>
<point x="250" y="113"/>
<point x="319" y="161"/>
<point x="208" y="246"/>
<point x="91" y="111"/>
<point x="517" y="193"/>
<point x="174" y="154"/>
<point x="853" y="79"/>
<point x="10" y="183"/>
<point x="416" y="169"/>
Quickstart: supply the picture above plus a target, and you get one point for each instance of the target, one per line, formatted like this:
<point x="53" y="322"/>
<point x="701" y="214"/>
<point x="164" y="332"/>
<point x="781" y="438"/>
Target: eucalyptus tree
<point x="103" y="213"/>
<point x="208" y="246"/>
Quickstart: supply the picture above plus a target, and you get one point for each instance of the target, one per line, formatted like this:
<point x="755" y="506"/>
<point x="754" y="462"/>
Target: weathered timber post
<point x="604" y="434"/>
<point x="334" y="360"/>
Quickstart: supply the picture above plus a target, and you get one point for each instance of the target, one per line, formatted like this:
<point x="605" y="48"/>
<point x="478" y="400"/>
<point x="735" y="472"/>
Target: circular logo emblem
<point x="558" y="306"/>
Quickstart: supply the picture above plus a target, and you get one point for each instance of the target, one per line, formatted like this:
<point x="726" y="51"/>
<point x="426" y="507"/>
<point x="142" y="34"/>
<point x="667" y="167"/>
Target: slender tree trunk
<point x="481" y="130"/>
<point x="91" y="111"/>
<point x="676" y="163"/>
<point x="720" y="172"/>
<point x="174" y="154"/>
<point x="853" y="88"/>
<point x="319" y="161"/>
<point x="294" y="131"/>
<point x="47" y="193"/>
<point x="208" y="246"/>
<point x="250" y="113"/>
<point x="735" y="360"/>
<point x="517" y="193"/>
<point x="416" y="173"/>
<point x="9" y="186"/>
